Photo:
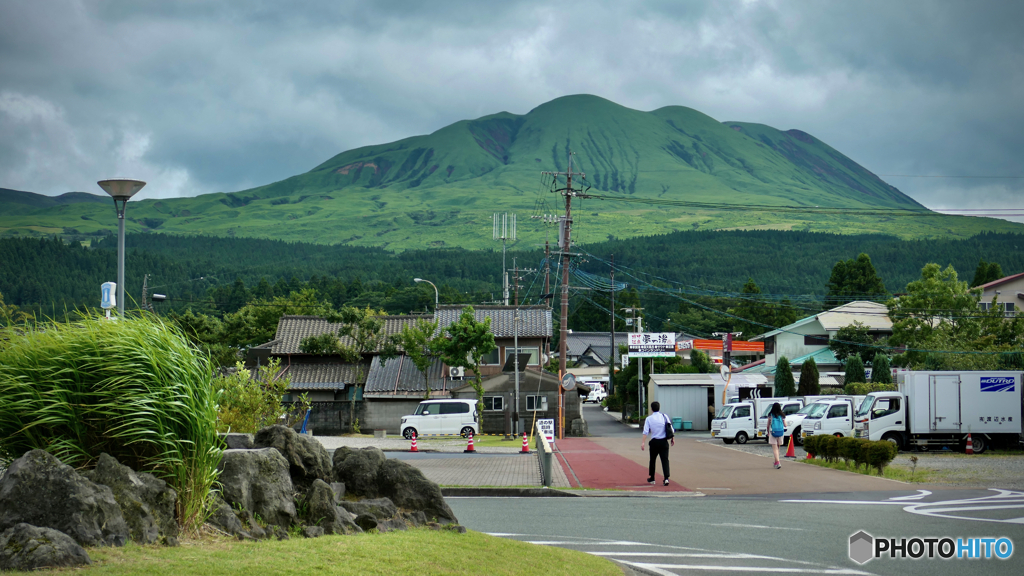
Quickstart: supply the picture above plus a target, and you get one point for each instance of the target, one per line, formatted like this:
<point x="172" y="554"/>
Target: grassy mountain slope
<point x="440" y="189"/>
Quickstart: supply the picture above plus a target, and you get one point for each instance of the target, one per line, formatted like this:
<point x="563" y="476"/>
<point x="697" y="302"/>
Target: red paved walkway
<point x="598" y="467"/>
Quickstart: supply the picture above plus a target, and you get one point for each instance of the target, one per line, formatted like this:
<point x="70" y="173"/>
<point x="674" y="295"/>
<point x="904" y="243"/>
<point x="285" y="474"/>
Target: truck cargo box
<point x="951" y="402"/>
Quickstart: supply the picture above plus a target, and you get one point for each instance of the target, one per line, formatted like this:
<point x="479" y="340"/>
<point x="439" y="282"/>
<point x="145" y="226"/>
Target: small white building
<point x="697" y="397"/>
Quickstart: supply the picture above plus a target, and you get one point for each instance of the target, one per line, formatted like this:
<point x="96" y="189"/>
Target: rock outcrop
<point x="146" y="502"/>
<point x="258" y="481"/>
<point x="307" y="458"/>
<point x="25" y="547"/>
<point x="39" y="490"/>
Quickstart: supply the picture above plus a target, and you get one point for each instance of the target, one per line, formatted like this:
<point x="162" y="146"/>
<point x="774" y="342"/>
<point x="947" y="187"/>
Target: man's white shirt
<point x="654" y="426"/>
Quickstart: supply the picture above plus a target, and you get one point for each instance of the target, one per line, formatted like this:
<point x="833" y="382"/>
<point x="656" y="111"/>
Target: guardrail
<point x="544" y="456"/>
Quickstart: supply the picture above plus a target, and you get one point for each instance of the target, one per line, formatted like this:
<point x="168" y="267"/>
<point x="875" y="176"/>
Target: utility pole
<point x="145" y="293"/>
<point x="611" y="370"/>
<point x="569" y="193"/>
<point x="637" y="322"/>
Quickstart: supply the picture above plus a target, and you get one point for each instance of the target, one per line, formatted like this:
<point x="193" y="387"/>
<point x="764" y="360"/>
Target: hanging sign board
<point x="652" y="345"/>
<point x="547" y="428"/>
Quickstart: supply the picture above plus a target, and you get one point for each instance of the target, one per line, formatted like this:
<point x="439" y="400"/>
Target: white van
<point x="448" y="417"/>
<point x="831" y="417"/>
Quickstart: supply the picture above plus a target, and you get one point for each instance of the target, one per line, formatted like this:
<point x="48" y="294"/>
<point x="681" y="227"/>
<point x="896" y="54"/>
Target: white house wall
<point x="791" y="344"/>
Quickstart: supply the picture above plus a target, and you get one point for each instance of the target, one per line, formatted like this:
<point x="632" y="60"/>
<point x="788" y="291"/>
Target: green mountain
<point x="661" y="171"/>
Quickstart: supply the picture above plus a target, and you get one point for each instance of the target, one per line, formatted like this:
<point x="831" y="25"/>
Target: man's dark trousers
<point x="659" y="447"/>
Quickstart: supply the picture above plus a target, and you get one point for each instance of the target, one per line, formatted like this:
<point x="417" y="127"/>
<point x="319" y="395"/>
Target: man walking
<point x="656" y="426"/>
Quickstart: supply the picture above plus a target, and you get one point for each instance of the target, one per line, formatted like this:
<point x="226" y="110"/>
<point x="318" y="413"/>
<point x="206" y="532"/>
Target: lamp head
<point x="121" y="188"/>
<point x="418" y="280"/>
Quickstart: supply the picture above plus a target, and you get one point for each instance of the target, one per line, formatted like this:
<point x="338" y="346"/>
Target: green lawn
<point x="419" y="552"/>
<point x="892" y="472"/>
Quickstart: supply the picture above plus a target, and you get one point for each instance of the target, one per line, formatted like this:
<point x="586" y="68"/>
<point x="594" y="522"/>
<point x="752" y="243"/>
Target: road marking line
<point x="872" y="502"/>
<point x="756" y="526"/>
<point x="918" y="496"/>
<point x="682" y="555"/>
<point x="749" y="569"/>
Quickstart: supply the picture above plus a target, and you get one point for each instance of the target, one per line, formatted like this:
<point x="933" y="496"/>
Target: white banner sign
<point x="547" y="427"/>
<point x="652" y="345"/>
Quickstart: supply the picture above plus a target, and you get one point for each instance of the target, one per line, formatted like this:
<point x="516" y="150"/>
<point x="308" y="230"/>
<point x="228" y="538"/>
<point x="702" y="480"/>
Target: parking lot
<point x="1003" y="469"/>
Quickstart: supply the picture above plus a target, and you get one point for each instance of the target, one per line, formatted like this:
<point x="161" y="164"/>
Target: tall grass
<point x="135" y="389"/>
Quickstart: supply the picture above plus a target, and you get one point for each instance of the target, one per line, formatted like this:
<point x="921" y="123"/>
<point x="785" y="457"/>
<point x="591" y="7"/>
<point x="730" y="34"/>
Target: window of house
<point x="534" y="355"/>
<point x="494" y="403"/>
<point x="984" y="306"/>
<point x="1009" y="307"/>
<point x="815" y="339"/>
<point x="769" y="345"/>
<point x="536" y="402"/>
<point x="491" y="357"/>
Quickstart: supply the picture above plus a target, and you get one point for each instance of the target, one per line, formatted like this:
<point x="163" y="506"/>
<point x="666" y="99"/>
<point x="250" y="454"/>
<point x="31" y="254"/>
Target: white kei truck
<point x="936" y="409"/>
<point x="736" y="422"/>
<point x="831" y="417"/>
<point x="790" y="406"/>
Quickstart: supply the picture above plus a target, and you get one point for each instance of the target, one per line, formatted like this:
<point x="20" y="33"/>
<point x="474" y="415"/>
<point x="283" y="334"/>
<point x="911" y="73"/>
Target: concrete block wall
<point x="386" y="414"/>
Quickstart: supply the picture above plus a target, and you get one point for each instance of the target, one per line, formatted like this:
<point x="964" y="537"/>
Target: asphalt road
<point x="805" y="533"/>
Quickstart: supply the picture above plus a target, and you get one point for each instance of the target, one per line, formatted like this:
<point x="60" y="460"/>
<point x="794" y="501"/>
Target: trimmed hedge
<point x="877" y="454"/>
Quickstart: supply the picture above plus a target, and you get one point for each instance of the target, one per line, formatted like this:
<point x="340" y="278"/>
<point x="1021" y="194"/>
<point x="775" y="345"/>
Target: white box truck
<point x="935" y="409"/>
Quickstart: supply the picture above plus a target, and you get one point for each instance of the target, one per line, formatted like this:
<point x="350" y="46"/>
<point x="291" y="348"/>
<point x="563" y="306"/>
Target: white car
<point x="596" y="395"/>
<point x="442" y="417"/>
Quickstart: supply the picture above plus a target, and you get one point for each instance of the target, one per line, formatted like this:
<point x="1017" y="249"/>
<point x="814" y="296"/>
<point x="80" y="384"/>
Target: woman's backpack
<point x="778" y="427"/>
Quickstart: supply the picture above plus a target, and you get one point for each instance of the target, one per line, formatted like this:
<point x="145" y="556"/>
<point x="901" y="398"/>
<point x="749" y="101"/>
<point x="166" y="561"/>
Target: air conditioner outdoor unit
<point x="457" y="371"/>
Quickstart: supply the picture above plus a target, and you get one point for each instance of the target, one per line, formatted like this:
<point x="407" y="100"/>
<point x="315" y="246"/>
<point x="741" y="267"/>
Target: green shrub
<point x="860" y="454"/>
<point x="247" y="402"/>
<point x="848" y="448"/>
<point x="811" y="445"/>
<point x="864" y="388"/>
<point x="133" y="388"/>
<point x="880" y="453"/>
<point x="830" y="448"/>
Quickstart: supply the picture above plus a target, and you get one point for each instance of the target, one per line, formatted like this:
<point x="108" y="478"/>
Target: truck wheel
<point x="467" y="431"/>
<point x="408" y="432"/>
<point x="978" y="444"/>
<point x="838" y="434"/>
<point x="799" y="437"/>
<point x="741" y="437"/>
<point x="895" y="439"/>
<point x="727" y="440"/>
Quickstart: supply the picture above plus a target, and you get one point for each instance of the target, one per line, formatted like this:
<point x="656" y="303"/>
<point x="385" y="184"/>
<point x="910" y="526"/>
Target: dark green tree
<point x="809" y="385"/>
<point x="854" y="279"/>
<point x="701" y="362"/>
<point x="986" y="272"/>
<point x="784" y="383"/>
<point x="464" y="344"/>
<point x="881" y="372"/>
<point x="854" y="370"/>
<point x="853" y="339"/>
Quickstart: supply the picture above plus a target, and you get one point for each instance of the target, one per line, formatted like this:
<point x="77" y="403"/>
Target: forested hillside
<point x="219" y="275"/>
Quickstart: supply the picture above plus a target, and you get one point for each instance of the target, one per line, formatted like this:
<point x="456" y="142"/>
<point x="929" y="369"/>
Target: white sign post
<point x="547" y="428"/>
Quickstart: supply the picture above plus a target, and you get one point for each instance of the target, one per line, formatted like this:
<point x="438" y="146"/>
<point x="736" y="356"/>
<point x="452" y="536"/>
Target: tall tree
<point x="464" y="343"/>
<point x="853" y="339"/>
<point x="701" y="362"/>
<point x="854" y="370"/>
<point x="881" y="372"/>
<point x="854" y="279"/>
<point x="809" y="385"/>
<point x="784" y="383"/>
<point x="421" y="347"/>
<point x="986" y="272"/>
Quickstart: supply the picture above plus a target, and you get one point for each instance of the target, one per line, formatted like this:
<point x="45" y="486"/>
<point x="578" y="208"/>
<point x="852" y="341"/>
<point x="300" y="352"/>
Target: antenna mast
<point x="504" y="229"/>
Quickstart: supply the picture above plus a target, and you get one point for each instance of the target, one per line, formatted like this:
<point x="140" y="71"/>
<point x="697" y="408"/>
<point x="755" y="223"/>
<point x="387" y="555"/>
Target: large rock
<point x="408" y="488"/>
<point x="258" y="481"/>
<point x="320" y="508"/>
<point x="26" y="547"/>
<point x="237" y="441"/>
<point x="239" y="523"/>
<point x="379" y="508"/>
<point x="307" y="458"/>
<point x="147" y="503"/>
<point x="358" y="470"/>
<point x="39" y="490"/>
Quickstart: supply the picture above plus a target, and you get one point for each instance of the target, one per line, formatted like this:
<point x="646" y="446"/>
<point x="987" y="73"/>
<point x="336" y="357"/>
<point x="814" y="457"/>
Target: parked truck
<point x="936" y="409"/>
<point x="831" y="417"/>
<point x="738" y="421"/>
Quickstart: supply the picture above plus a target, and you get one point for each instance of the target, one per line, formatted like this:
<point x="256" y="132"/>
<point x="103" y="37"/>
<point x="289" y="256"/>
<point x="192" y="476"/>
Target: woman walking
<point x="776" y="431"/>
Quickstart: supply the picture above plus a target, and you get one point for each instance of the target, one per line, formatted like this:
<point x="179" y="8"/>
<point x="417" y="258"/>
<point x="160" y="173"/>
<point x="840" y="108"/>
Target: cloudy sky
<point x="206" y="96"/>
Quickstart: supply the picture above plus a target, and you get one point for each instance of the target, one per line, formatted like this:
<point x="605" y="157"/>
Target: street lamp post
<point x="432" y="284"/>
<point x="121" y="190"/>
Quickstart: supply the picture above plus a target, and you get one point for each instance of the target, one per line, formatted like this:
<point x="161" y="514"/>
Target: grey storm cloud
<point x="204" y="96"/>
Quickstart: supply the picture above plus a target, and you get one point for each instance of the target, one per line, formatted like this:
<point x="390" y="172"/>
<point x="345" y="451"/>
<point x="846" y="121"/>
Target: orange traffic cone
<point x="970" y="444"/>
<point x="469" y="449"/>
<point x="526" y="446"/>
<point x="414" y="448"/>
<point x="791" y="451"/>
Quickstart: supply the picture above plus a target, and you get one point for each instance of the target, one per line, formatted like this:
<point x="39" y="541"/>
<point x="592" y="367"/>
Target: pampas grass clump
<point x="133" y="388"/>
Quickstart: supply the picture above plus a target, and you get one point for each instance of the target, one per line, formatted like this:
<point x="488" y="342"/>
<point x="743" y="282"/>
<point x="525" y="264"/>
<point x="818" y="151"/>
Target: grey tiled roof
<point x="534" y="321"/>
<point x="400" y="375"/>
<point x="576" y="343"/>
<point x="292" y="329"/>
<point x="324" y="375"/>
